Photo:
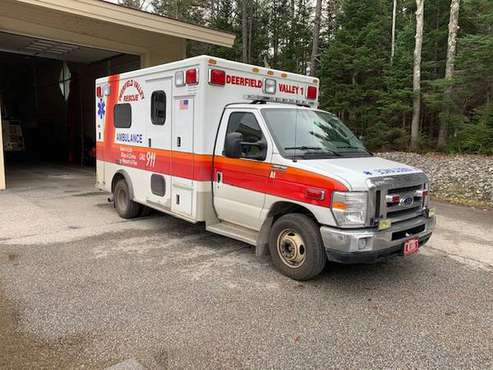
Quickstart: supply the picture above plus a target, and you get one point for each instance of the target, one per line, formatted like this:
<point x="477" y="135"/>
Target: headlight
<point x="349" y="208"/>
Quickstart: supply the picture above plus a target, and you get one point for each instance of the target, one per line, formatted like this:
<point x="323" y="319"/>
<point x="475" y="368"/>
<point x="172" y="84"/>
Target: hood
<point x="355" y="172"/>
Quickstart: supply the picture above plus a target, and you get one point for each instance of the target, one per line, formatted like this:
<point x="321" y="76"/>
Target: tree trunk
<point x="316" y="38"/>
<point x="394" y="13"/>
<point x="244" y="31"/>
<point x="453" y="26"/>
<point x="253" y="16"/>
<point x="417" y="74"/>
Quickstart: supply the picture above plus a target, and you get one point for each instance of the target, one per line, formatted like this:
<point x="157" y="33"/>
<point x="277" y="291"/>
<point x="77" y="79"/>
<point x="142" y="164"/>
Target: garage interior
<point x="51" y="52"/>
<point x="47" y="98"/>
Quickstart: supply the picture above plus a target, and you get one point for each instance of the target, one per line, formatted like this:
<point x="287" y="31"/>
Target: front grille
<point x="403" y="213"/>
<point x="406" y="187"/>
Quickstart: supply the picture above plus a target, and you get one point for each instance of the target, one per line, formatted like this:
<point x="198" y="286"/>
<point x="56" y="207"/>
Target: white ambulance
<point x="245" y="150"/>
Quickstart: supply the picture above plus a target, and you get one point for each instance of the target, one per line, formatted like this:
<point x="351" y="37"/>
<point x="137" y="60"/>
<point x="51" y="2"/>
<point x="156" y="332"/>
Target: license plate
<point x="411" y="246"/>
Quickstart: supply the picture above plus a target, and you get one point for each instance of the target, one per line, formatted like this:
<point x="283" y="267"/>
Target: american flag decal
<point x="183" y="104"/>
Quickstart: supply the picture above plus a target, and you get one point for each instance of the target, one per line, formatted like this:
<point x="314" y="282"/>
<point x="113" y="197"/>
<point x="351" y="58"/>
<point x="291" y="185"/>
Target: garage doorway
<point x="47" y="102"/>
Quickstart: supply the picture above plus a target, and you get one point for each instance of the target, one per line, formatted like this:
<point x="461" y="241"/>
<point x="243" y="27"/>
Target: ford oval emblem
<point x="407" y="201"/>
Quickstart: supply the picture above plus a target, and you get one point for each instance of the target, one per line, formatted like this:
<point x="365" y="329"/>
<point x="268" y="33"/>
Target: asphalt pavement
<point x="82" y="288"/>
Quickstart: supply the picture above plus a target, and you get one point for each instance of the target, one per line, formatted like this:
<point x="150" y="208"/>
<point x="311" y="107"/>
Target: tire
<point x="296" y="247"/>
<point x="145" y="211"/>
<point x="125" y="207"/>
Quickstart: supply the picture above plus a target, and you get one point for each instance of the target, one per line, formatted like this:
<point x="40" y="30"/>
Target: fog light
<point x="362" y="243"/>
<point x="384" y="224"/>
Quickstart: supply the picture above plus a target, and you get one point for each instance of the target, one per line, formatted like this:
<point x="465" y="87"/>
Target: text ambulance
<point x="245" y="150"/>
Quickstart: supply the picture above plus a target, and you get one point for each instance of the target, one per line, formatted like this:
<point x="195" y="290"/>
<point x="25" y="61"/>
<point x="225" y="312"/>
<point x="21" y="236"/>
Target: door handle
<point x="178" y="141"/>
<point x="219" y="177"/>
<point x="150" y="143"/>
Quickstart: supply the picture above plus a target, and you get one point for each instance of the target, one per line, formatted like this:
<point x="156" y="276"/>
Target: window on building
<point x="158" y="108"/>
<point x="122" y="115"/>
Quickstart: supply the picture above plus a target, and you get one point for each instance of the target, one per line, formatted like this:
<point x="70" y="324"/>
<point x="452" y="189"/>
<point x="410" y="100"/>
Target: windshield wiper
<point x="313" y="150"/>
<point x="355" y="147"/>
<point x="303" y="148"/>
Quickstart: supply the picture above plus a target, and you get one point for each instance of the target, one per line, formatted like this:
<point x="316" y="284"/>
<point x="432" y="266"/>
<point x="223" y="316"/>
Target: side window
<point x="246" y="124"/>
<point x="158" y="108"/>
<point x="122" y="115"/>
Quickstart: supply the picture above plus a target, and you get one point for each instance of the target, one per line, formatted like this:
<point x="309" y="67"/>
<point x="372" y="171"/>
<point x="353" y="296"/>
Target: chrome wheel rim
<point x="291" y="248"/>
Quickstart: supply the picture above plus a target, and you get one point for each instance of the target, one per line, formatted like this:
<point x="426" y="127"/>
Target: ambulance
<point x="245" y="151"/>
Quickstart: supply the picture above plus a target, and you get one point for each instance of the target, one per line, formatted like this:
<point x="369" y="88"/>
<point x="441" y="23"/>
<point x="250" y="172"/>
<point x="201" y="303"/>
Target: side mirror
<point x="232" y="145"/>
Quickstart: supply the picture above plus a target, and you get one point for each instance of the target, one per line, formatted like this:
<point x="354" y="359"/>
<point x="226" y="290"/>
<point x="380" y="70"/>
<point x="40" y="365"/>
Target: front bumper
<point x="371" y="245"/>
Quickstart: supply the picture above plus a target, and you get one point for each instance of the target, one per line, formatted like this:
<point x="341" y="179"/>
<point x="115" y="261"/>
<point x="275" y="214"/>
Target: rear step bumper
<point x="369" y="246"/>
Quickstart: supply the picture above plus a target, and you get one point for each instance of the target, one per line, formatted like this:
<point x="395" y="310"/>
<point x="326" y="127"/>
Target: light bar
<point x="275" y="99"/>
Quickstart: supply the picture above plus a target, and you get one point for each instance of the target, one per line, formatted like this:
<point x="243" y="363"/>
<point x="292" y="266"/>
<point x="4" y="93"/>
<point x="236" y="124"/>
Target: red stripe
<point x="291" y="183"/>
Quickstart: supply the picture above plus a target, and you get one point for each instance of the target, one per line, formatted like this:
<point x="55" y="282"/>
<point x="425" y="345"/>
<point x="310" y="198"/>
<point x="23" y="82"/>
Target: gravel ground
<point x="81" y="288"/>
<point x="460" y="179"/>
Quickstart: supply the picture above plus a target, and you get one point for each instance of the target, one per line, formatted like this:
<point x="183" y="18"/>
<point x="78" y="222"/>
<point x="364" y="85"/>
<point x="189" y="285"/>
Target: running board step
<point x="234" y="231"/>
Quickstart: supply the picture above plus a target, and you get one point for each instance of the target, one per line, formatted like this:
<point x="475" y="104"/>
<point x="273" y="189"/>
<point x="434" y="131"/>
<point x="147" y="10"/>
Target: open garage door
<point x="47" y="101"/>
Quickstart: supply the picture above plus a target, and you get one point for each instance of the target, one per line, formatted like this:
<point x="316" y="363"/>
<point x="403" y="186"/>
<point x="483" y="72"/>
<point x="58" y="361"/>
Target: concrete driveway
<point x="80" y="287"/>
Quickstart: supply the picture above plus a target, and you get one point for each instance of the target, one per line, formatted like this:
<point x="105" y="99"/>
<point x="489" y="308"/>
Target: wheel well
<point x="282" y="208"/>
<point x="117" y="177"/>
<point x="278" y="209"/>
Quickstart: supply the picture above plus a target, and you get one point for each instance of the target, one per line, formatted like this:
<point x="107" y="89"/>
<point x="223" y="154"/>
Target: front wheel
<point x="296" y="247"/>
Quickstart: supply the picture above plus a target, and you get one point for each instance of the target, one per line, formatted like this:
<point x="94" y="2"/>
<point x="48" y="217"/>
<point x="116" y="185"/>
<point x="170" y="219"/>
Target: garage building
<point x="52" y="51"/>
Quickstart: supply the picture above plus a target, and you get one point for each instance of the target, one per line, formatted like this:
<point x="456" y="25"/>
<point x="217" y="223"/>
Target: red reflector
<point x="191" y="76"/>
<point x="311" y="93"/>
<point x="425" y="193"/>
<point x="217" y="77"/>
<point x="99" y="92"/>
<point x="314" y="194"/>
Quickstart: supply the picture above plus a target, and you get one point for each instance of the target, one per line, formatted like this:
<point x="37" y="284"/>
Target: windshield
<point x="310" y="134"/>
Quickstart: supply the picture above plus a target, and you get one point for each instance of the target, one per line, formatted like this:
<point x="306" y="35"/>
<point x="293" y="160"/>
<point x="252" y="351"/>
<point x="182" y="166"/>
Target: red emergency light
<point x="192" y="76"/>
<point x="311" y="93"/>
<point x="217" y="77"/>
<point x="99" y="92"/>
<point x="393" y="198"/>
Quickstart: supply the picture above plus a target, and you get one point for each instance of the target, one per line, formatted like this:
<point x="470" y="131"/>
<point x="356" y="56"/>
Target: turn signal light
<point x="311" y="93"/>
<point x="217" y="77"/>
<point x="192" y="76"/>
<point x="315" y="194"/>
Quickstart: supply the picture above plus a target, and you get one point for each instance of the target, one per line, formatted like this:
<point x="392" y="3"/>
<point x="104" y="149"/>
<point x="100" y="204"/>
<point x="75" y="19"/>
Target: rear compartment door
<point x="159" y="115"/>
<point x="182" y="155"/>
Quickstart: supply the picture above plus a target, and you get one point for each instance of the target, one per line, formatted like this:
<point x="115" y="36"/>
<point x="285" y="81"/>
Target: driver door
<point x="240" y="184"/>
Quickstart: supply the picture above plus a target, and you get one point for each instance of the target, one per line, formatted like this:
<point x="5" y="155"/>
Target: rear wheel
<point x="296" y="247"/>
<point x="125" y="207"/>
